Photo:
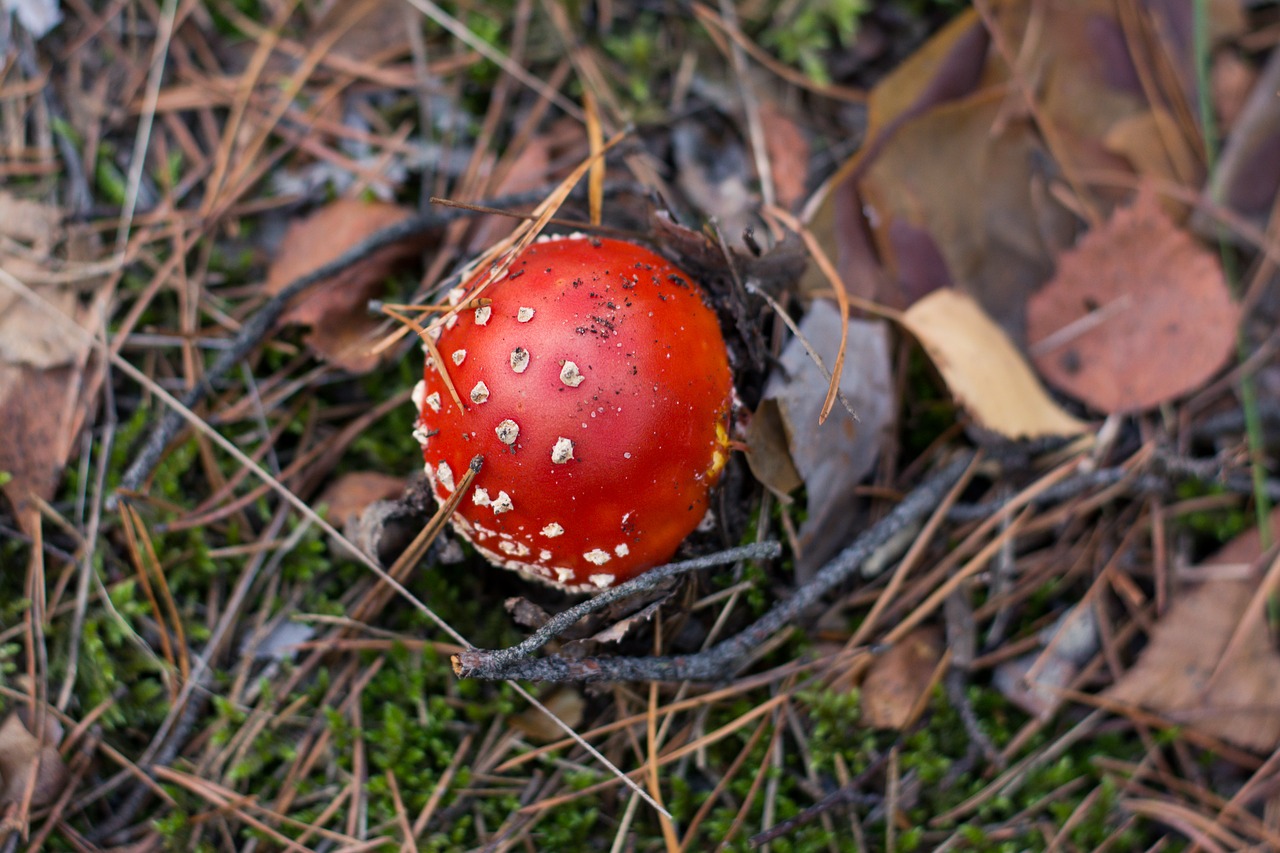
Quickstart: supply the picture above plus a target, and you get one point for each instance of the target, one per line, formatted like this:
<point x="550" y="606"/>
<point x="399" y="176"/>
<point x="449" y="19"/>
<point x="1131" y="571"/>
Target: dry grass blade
<point x="595" y="176"/>
<point x="148" y="564"/>
<point x="710" y="18"/>
<point x="458" y="29"/>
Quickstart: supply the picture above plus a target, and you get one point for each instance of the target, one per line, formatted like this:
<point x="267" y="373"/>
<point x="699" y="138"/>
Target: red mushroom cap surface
<point x="596" y="385"/>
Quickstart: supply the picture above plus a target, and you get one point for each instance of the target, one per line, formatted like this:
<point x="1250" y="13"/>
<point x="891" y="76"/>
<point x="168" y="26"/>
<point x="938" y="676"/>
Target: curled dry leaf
<point x="1137" y="315"/>
<point x="21" y="754"/>
<point x="364" y="506"/>
<point x="896" y="683"/>
<point x="619" y="631"/>
<point x="832" y="458"/>
<point x="983" y="370"/>
<point x="342" y="331"/>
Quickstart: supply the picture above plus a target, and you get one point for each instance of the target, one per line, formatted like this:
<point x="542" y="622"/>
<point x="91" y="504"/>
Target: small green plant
<point x="802" y="33"/>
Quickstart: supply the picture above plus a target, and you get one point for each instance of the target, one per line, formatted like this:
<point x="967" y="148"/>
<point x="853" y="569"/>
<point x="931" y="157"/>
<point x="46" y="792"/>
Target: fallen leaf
<point x="1153" y="143"/>
<point x="526" y="613"/>
<point x="351" y="493"/>
<point x="835" y="456"/>
<point x="566" y="703"/>
<point x="897" y="680"/>
<point x="788" y="152"/>
<point x="986" y="374"/>
<point x="335" y="309"/>
<point x="1137" y="315"/>
<point x="949" y="66"/>
<point x="20" y="752"/>
<point x="768" y="451"/>
<point x="971" y="202"/>
<point x="1186" y="647"/>
<point x="47" y="386"/>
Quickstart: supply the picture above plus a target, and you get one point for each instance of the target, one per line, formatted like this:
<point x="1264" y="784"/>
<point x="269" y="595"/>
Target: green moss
<point x="1217" y="525"/>
<point x="810" y="31"/>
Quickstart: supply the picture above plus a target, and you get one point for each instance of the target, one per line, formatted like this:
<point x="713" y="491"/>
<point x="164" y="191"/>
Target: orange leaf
<point x="335" y="308"/>
<point x="1138" y="313"/>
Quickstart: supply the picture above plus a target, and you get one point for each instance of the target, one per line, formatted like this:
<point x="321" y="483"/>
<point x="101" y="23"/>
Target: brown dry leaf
<point x="335" y="309"/>
<point x="972" y="202"/>
<point x="985" y="372"/>
<point x="526" y="613"/>
<point x="949" y="66"/>
<point x="1153" y="143"/>
<point x="618" y="631"/>
<point x="349" y="495"/>
<point x="953" y="153"/>
<point x="46" y="386"/>
<point x="768" y="451"/>
<point x="899" y="678"/>
<point x="20" y="751"/>
<point x="1186" y="648"/>
<point x="566" y="703"/>
<point x="788" y="151"/>
<point x="1138" y="313"/>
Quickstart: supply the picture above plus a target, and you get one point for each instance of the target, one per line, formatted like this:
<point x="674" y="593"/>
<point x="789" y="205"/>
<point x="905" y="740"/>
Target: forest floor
<point x="991" y="565"/>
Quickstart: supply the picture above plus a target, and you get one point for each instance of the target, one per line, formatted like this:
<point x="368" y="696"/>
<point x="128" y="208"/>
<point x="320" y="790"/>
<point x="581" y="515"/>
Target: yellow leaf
<point x="984" y="371"/>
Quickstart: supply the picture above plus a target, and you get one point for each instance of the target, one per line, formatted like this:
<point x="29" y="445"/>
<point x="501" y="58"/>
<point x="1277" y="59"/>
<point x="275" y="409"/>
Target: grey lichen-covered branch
<point x="721" y="660"/>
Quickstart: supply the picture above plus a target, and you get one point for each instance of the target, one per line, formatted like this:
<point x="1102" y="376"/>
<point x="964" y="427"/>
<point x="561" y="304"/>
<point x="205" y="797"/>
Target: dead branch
<point x="720" y="661"/>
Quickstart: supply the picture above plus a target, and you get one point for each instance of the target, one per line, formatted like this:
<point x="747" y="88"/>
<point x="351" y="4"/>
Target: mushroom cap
<point x="596" y="385"/>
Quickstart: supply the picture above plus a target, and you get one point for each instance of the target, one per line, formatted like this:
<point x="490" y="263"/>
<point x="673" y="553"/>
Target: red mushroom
<point x="595" y="381"/>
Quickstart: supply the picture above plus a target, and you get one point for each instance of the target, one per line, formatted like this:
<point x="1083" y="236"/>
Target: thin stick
<point x="718" y="662"/>
<point x="563" y="621"/>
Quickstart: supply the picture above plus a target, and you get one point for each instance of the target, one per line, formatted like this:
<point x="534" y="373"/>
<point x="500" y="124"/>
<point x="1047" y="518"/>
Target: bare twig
<point x="563" y="621"/>
<point x="718" y="662"/>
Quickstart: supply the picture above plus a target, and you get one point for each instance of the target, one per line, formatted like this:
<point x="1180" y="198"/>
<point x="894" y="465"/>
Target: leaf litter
<point x="1016" y="132"/>
<point x="1137" y="314"/>
<point x="343" y="331"/>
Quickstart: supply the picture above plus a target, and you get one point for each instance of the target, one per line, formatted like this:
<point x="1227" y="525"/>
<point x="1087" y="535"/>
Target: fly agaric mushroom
<point x="595" y="381"/>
